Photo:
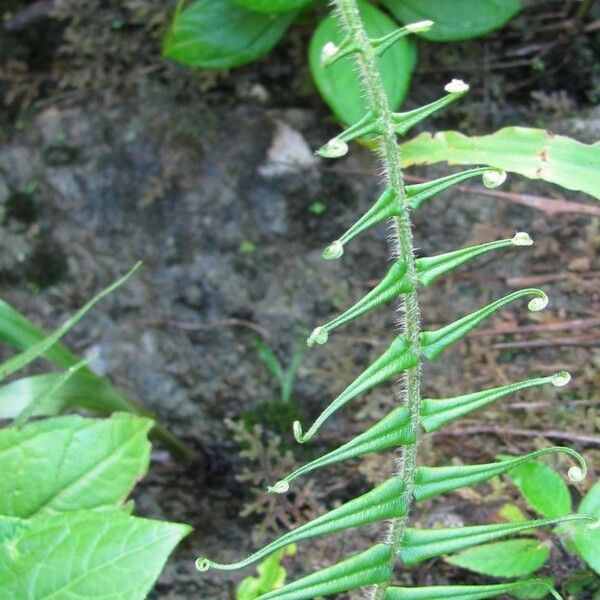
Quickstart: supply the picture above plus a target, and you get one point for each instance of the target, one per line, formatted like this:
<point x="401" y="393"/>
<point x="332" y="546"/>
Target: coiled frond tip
<point x="298" y="435"/>
<point x="537" y="304"/>
<point x="560" y="379"/>
<point x="419" y="26"/>
<point x="318" y="336"/>
<point x="333" y="251"/>
<point x="281" y="487"/>
<point x="334" y="148"/>
<point x="522" y="238"/>
<point x="202" y="564"/>
<point x="456" y="86"/>
<point x="328" y="51"/>
<point x="494" y="178"/>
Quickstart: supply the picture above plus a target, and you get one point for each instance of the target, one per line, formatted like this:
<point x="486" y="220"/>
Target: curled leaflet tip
<point x="522" y="238"/>
<point x="456" y="86"/>
<point x="333" y="149"/>
<point x="537" y="304"/>
<point x="493" y="178"/>
<point x="318" y="336"/>
<point x="202" y="564"/>
<point x="297" y="427"/>
<point x="576" y="474"/>
<point x="420" y="26"/>
<point x="281" y="487"/>
<point x="561" y="378"/>
<point x="328" y="51"/>
<point x="333" y="251"/>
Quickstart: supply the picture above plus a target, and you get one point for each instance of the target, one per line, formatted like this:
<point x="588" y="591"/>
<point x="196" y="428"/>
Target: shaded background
<point x="109" y="154"/>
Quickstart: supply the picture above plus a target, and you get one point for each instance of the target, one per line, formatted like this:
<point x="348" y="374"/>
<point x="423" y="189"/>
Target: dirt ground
<point x="108" y="157"/>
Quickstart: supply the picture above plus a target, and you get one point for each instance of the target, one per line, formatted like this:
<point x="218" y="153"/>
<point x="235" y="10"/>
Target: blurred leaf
<point x="35" y="349"/>
<point x="84" y="390"/>
<point x="534" y="153"/>
<point x="219" y="35"/>
<point x="84" y="555"/>
<point x="455" y="19"/>
<point x="586" y="539"/>
<point x="272" y="6"/>
<point x="512" y="513"/>
<point x="513" y="558"/>
<point x="338" y="83"/>
<point x="535" y="591"/>
<point x="271" y="575"/>
<point x="543" y="489"/>
<point x="71" y="463"/>
<point x="269" y="359"/>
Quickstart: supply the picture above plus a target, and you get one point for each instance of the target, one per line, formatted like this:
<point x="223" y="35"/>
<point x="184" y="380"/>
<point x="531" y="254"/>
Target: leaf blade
<point x="534" y="153"/>
<point x="220" y="35"/>
<point x="71" y="554"/>
<point x="512" y="558"/>
<point x="455" y="20"/>
<point x="72" y="463"/>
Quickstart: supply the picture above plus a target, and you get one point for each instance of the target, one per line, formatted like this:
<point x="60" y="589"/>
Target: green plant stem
<point x="401" y="245"/>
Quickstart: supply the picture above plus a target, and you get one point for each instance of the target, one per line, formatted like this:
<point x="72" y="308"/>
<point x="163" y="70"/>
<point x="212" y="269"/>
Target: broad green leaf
<point x="386" y="501"/>
<point x="534" y="153"/>
<point x="513" y="558"/>
<point x="84" y="390"/>
<point x="587" y="539"/>
<point x="543" y="488"/>
<point x="271" y="575"/>
<point x="367" y="568"/>
<point x="471" y="592"/>
<point x="272" y="6"/>
<point x="455" y="19"/>
<point x="71" y="463"/>
<point x="82" y="555"/>
<point x="40" y="348"/>
<point x="339" y="84"/>
<point x="220" y="35"/>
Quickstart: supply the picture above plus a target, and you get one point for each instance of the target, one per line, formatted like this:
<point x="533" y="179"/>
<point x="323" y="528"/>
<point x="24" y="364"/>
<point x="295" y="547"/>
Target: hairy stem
<point x="401" y="244"/>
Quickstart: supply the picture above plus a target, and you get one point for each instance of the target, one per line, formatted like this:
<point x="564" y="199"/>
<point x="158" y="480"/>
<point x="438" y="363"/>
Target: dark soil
<point x="173" y="168"/>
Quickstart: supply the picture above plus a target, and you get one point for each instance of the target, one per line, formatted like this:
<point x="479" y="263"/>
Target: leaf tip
<point x="333" y="251"/>
<point x="281" y="487"/>
<point x="420" y="26"/>
<point x="202" y="564"/>
<point x="538" y="303"/>
<point x="576" y="474"/>
<point x="561" y="379"/>
<point x="318" y="336"/>
<point x="334" y="148"/>
<point x="456" y="86"/>
<point x="328" y="53"/>
<point x="298" y="435"/>
<point x="522" y="238"/>
<point x="494" y="178"/>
